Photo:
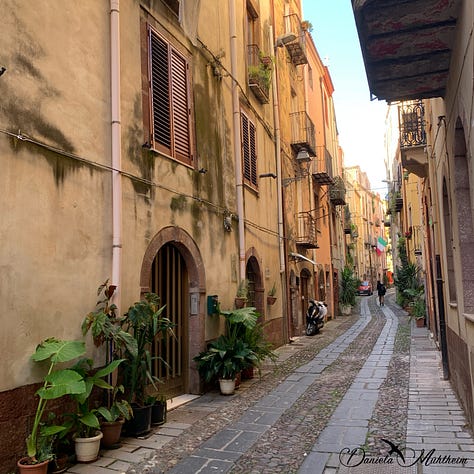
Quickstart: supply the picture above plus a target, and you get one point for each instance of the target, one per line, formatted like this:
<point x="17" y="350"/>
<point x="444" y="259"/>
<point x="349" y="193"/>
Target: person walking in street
<point x="381" y="290"/>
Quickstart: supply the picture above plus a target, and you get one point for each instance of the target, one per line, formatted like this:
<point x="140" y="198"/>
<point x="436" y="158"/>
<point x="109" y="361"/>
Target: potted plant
<point x="105" y="328"/>
<point x="242" y="294"/>
<point x="417" y="305"/>
<point x="113" y="418"/>
<point x="159" y="408"/>
<point x="223" y="359"/>
<point x="145" y="322"/>
<point x="271" y="298"/>
<point x="228" y="354"/>
<point x="84" y="422"/>
<point x="347" y="294"/>
<point x="57" y="383"/>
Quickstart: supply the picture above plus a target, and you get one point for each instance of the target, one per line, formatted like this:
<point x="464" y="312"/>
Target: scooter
<point x="317" y="310"/>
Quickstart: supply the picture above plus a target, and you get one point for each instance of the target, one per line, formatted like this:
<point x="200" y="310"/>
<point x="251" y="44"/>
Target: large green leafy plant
<point x="84" y="421"/>
<point x="145" y="322"/>
<point x="242" y="345"/>
<point x="57" y="383"/>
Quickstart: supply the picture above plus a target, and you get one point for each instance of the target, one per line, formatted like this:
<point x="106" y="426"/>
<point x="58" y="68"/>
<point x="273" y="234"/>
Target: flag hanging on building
<point x="381" y="244"/>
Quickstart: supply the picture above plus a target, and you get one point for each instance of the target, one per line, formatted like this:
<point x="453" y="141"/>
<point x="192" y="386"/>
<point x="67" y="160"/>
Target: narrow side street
<point x="343" y="391"/>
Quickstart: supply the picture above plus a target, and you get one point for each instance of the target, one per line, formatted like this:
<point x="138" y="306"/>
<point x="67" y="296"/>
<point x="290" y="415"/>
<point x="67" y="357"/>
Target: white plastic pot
<point x="87" y="449"/>
<point x="227" y="386"/>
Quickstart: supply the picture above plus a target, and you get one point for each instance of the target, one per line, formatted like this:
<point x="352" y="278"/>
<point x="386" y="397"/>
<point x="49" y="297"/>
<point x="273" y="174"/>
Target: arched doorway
<point x="169" y="280"/>
<point x="305" y="277"/>
<point x="173" y="268"/>
<point x="321" y="286"/>
<point x="253" y="275"/>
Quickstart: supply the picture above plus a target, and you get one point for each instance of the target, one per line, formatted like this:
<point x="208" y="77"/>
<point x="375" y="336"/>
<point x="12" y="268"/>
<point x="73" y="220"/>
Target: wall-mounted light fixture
<point x="303" y="156"/>
<point x="268" y="175"/>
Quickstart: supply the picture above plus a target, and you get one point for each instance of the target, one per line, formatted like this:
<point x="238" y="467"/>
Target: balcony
<point x="406" y="46"/>
<point x="302" y="133"/>
<point x="322" y="167"/>
<point x="259" y="73"/>
<point x="296" y="48"/>
<point x="411" y="119"/>
<point x="337" y="192"/>
<point x="306" y="231"/>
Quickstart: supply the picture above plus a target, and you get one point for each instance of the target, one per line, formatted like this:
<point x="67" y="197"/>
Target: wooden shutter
<point x="253" y="154"/>
<point x="249" y="151"/>
<point x="181" y="109"/>
<point x="171" y="104"/>
<point x="160" y="86"/>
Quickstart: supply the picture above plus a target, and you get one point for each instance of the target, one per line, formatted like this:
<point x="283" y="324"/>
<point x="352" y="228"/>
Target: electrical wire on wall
<point x="225" y="212"/>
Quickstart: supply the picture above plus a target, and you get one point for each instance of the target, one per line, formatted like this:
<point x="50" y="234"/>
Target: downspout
<point x="281" y="234"/>
<point x="116" y="151"/>
<point x="276" y="120"/>
<point x="237" y="140"/>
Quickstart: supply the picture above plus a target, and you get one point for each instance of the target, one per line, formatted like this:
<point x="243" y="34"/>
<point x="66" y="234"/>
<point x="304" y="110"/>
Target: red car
<point x="365" y="288"/>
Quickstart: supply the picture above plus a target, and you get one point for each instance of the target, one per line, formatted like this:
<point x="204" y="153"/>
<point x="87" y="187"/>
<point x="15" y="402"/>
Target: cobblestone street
<point x="365" y="381"/>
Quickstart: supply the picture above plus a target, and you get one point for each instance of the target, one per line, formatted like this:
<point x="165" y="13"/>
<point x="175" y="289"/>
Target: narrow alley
<point x="343" y="401"/>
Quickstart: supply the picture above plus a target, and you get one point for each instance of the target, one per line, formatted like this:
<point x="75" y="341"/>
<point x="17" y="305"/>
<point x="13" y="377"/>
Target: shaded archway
<point x="305" y="277"/>
<point x="187" y="256"/>
<point x="253" y="274"/>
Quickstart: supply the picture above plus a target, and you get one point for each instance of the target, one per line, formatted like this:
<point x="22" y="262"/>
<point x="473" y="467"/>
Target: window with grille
<point x="249" y="151"/>
<point x="170" y="126"/>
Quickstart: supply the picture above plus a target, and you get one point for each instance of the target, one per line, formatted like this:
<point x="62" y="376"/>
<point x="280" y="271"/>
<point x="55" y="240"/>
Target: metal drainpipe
<point x="281" y="236"/>
<point x="237" y="140"/>
<point x="116" y="150"/>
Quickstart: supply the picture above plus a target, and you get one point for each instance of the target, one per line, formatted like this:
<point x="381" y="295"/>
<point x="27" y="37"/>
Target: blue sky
<point x="361" y="122"/>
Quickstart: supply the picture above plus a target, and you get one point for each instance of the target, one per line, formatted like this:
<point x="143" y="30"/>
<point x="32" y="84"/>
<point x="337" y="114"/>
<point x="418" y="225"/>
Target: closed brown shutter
<point x="171" y="104"/>
<point x="249" y="151"/>
<point x="180" y="104"/>
<point x="160" y="93"/>
<point x="253" y="154"/>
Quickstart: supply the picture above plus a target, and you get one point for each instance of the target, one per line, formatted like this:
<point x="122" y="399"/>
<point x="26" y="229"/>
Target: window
<point x="249" y="151"/>
<point x="170" y="127"/>
<point x="173" y="5"/>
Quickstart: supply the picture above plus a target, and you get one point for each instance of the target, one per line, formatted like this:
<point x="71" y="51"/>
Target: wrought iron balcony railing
<point x="259" y="70"/>
<point x="322" y="166"/>
<point x="411" y="118"/>
<point x="306" y="231"/>
<point x="302" y="133"/>
<point x="296" y="48"/>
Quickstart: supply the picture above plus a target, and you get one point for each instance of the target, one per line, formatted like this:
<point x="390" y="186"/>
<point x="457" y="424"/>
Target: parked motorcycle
<point x="317" y="310"/>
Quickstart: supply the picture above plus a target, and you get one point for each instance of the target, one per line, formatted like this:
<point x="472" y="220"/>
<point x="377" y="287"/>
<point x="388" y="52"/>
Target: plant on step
<point x="145" y="322"/>
<point x="57" y="383"/>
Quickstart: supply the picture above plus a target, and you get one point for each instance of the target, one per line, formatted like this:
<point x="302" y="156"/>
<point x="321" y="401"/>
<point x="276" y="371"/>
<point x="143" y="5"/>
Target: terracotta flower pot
<point x="271" y="300"/>
<point x="248" y="373"/>
<point x="240" y="302"/>
<point x="38" y="468"/>
<point x="112" y="431"/>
